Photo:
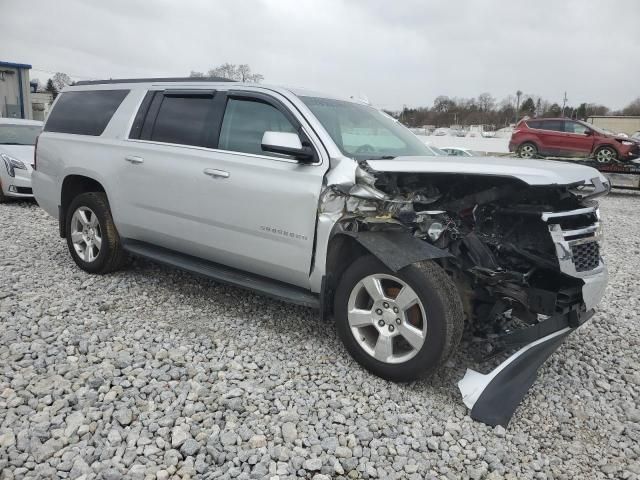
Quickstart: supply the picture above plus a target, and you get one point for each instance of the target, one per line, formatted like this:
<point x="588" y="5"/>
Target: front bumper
<point x="494" y="397"/>
<point x="18" y="186"/>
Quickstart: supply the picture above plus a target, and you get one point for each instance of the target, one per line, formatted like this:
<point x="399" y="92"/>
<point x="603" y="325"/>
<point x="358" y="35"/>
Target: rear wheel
<point x="398" y="325"/>
<point x="606" y="155"/>
<point x="527" y="150"/>
<point x="92" y="238"/>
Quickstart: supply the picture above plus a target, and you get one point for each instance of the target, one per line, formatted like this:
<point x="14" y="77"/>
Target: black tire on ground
<point x="443" y="311"/>
<point x="606" y="154"/>
<point x="3" y="197"/>
<point x="111" y="256"/>
<point x="527" y="150"/>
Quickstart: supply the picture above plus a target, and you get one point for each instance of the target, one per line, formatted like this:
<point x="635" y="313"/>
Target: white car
<point x="438" y="152"/>
<point x="461" y="152"/>
<point x="17" y="140"/>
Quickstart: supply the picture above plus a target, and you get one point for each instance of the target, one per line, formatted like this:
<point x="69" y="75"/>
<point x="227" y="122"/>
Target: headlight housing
<point x="627" y="143"/>
<point x="12" y="163"/>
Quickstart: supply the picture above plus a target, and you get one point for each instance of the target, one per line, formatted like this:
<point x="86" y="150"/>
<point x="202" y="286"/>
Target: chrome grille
<point x="575" y="234"/>
<point x="586" y="256"/>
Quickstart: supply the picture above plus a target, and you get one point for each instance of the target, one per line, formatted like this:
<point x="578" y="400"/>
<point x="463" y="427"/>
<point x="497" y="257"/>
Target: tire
<point x="83" y="235"/>
<point x="436" y="314"/>
<point x="3" y="197"/>
<point x="527" y="150"/>
<point x="606" y="155"/>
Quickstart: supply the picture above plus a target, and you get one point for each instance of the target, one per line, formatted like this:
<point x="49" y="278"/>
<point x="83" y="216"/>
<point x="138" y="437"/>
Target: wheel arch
<point x="599" y="147"/>
<point x="531" y="141"/>
<point x="395" y="249"/>
<point x="72" y="186"/>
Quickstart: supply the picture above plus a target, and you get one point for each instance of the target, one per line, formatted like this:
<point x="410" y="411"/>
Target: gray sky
<point x="394" y="51"/>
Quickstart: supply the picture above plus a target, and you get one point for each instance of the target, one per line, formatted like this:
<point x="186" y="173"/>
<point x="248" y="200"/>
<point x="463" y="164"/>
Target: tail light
<point x="35" y="149"/>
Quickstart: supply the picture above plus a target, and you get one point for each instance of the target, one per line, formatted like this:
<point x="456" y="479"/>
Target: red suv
<point x="563" y="137"/>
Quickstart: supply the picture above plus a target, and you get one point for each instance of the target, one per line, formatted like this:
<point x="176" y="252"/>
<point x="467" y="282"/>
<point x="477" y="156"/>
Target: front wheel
<point x="606" y="155"/>
<point x="398" y="325"/>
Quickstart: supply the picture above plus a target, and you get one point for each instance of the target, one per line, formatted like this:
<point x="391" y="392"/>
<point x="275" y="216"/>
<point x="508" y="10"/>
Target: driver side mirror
<point x="286" y="143"/>
<point x="588" y="132"/>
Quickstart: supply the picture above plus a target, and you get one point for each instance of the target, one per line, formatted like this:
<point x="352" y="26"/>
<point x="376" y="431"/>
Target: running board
<point x="266" y="286"/>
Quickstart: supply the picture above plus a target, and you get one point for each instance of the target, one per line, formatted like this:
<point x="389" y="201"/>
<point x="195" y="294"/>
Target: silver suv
<point x="331" y="203"/>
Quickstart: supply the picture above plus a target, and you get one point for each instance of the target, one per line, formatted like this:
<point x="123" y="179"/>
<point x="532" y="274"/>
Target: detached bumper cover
<point x="494" y="397"/>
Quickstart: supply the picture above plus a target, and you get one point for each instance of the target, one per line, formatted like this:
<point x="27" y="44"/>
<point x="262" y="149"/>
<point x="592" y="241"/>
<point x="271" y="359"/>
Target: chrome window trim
<point x="231" y="152"/>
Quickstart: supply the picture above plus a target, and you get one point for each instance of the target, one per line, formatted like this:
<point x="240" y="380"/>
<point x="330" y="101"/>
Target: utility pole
<point x="518" y="94"/>
<point x="564" y="103"/>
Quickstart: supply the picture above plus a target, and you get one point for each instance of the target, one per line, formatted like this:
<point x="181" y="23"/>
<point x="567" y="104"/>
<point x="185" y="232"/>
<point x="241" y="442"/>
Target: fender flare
<point x="604" y="145"/>
<point x="396" y="249"/>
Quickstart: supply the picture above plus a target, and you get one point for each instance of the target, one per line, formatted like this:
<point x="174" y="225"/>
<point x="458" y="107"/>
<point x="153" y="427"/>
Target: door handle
<point x="133" y="159"/>
<point x="214" y="172"/>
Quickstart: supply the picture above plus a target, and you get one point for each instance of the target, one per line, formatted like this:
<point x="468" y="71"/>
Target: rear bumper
<point x="494" y="397"/>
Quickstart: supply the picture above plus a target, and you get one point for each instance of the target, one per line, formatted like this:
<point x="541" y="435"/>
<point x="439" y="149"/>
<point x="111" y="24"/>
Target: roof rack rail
<point x="146" y="80"/>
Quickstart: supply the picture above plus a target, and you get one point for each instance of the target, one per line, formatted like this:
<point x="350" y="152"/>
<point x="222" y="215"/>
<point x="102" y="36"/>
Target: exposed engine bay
<point x="510" y="268"/>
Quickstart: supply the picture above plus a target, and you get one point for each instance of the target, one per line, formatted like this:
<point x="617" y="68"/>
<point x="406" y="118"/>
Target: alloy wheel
<point x="387" y="318"/>
<point x="86" y="234"/>
<point x="605" y="155"/>
<point x="527" y="151"/>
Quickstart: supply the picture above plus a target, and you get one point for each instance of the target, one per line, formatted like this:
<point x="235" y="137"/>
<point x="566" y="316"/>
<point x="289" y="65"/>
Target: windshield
<point x="19" y="134"/>
<point x="364" y="133"/>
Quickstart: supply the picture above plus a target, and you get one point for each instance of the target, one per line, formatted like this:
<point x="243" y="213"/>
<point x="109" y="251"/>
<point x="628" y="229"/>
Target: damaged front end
<point x="526" y="260"/>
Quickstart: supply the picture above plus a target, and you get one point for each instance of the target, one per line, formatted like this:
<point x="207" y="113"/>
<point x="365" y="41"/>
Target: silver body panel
<point x="532" y="172"/>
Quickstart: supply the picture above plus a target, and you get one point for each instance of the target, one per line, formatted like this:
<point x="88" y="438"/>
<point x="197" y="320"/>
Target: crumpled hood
<point x="532" y="172"/>
<point x="24" y="153"/>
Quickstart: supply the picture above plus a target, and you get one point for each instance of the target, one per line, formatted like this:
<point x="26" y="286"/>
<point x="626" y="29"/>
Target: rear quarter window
<point x="84" y="112"/>
<point x="554" y="125"/>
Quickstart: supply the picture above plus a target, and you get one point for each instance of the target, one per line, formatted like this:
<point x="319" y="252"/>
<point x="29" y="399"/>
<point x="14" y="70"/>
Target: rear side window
<point x="185" y="120"/>
<point x="245" y="122"/>
<point x="85" y="112"/>
<point x="555" y="125"/>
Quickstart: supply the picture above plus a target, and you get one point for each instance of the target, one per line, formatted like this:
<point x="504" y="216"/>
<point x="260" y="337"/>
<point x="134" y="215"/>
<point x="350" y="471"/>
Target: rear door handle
<point x="133" y="159"/>
<point x="214" y="172"/>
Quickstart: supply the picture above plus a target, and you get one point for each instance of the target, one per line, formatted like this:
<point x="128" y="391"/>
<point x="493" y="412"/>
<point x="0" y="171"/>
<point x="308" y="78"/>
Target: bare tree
<point x="486" y="102"/>
<point x="244" y="71"/>
<point x="51" y="88"/>
<point x="633" y="108"/>
<point x="61" y="80"/>
<point x="240" y="73"/>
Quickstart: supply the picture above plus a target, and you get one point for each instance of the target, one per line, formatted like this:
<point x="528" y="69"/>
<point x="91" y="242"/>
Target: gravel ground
<point x="153" y="373"/>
